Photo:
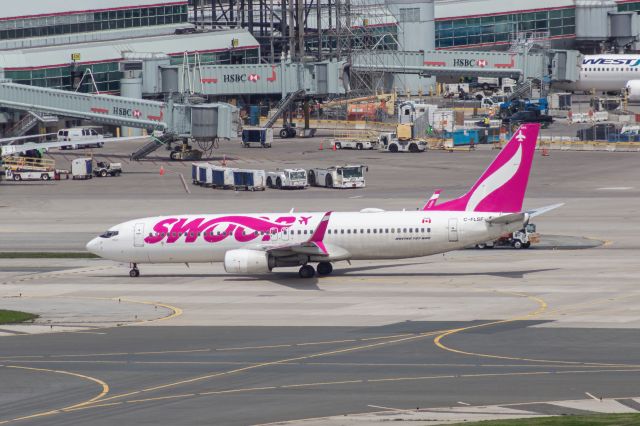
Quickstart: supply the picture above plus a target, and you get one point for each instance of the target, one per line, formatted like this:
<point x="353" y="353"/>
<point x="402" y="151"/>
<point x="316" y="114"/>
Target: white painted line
<point x="615" y="188"/>
<point x="591" y="396"/>
<point x="356" y="196"/>
<point x="386" y="408"/>
<point x="463" y="403"/>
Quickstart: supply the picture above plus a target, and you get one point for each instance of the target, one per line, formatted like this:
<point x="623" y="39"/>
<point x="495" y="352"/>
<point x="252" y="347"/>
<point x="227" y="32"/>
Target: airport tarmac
<point x="196" y="346"/>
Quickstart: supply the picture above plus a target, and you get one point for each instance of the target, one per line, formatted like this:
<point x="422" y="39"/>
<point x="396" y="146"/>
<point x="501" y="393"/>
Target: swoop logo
<point x="632" y="62"/>
<point x="242" y="228"/>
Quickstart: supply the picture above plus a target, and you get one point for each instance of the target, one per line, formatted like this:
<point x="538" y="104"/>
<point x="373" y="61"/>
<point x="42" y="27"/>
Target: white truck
<point x="518" y="240"/>
<point x="348" y="176"/>
<point x="389" y="142"/>
<point x="287" y="179"/>
<point x="353" y="144"/>
<point x="78" y="135"/>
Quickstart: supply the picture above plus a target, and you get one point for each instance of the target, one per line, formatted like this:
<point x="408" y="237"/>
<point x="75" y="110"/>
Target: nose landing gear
<point x="134" y="272"/>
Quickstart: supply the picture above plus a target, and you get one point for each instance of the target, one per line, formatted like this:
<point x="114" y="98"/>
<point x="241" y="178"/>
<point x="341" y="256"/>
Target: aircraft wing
<point x="20" y="149"/>
<point x="314" y="246"/>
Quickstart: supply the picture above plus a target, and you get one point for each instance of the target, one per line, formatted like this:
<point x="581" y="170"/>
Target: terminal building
<point x="56" y="46"/>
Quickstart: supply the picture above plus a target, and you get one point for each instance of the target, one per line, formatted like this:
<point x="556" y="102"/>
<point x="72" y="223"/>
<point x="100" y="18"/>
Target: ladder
<point x="522" y="90"/>
<point x="152" y="146"/>
<point x="282" y="107"/>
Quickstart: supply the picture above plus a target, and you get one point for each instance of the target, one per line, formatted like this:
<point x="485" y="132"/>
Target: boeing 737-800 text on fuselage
<point x="257" y="243"/>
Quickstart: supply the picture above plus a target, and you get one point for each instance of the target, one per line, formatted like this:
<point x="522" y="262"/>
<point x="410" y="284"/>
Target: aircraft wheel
<point x="307" y="271"/>
<point x="324" y="268"/>
<point x="134" y="273"/>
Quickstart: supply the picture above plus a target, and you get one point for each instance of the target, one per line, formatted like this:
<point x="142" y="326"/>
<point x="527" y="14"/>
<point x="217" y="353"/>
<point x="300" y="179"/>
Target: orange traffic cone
<point x="161" y="171"/>
<point x="321" y="147"/>
<point x="545" y="152"/>
<point x="334" y="147"/>
<point x="224" y="160"/>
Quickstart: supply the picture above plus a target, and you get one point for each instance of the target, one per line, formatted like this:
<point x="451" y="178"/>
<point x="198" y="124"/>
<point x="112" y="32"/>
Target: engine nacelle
<point x="243" y="261"/>
<point x="633" y="90"/>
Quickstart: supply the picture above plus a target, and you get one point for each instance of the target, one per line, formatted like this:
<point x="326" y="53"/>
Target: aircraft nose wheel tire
<point x="307" y="271"/>
<point x="324" y="268"/>
<point x="134" y="272"/>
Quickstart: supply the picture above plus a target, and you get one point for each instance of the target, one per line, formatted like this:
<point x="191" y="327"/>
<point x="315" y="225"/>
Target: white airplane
<point x="257" y="243"/>
<point x="605" y="73"/>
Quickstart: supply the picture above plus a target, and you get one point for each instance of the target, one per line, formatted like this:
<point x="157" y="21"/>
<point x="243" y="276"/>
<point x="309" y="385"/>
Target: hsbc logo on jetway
<point x="470" y="63"/>
<point x="240" y="78"/>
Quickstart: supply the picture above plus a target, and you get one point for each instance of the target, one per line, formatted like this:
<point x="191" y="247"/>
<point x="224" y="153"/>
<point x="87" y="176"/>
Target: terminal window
<point x="498" y="28"/>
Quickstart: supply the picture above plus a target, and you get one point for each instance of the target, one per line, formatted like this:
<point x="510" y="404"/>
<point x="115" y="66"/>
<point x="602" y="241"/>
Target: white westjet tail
<point x="257" y="243"/>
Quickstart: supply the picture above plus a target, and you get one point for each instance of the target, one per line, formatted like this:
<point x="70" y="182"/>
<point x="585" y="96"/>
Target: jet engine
<point x="633" y="90"/>
<point x="243" y="261"/>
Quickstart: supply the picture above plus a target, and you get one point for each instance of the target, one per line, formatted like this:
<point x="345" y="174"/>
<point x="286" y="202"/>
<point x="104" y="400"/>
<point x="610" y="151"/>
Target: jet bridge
<point x="170" y="117"/>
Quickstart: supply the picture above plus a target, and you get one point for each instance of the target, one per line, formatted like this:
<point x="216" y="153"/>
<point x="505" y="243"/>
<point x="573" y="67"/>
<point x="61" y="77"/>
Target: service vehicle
<point x="353" y="144"/>
<point x="19" y="175"/>
<point x="391" y="143"/>
<point x="184" y="151"/>
<point x="76" y="135"/>
<point x="104" y="169"/>
<point x="520" y="239"/>
<point x="287" y="179"/>
<point x="27" y="168"/>
<point x="348" y="176"/>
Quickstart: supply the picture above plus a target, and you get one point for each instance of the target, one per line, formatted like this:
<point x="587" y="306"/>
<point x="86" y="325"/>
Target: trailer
<point x="222" y="177"/>
<point x="348" y="176"/>
<point x="198" y="173"/>
<point x="262" y="137"/>
<point x="288" y="179"/>
<point x="249" y="180"/>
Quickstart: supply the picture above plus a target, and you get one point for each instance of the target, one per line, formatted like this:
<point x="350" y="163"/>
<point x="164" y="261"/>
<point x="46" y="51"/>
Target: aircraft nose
<point x="94" y="246"/>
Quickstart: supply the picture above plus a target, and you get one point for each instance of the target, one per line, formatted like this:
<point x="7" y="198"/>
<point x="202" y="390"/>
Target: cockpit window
<point x="109" y="234"/>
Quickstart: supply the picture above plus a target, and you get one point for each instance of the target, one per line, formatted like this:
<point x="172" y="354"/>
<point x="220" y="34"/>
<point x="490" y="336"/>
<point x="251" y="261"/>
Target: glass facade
<point x="44" y="26"/>
<point x="633" y="6"/>
<point x="497" y="28"/>
<point x="106" y="74"/>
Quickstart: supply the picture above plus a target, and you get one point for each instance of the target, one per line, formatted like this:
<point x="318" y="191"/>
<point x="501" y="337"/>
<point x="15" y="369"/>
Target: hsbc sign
<point x="470" y="63"/>
<point x="240" y="78"/>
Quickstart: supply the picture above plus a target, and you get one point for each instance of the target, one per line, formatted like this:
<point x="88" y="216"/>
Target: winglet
<point x="318" y="234"/>
<point x="433" y="200"/>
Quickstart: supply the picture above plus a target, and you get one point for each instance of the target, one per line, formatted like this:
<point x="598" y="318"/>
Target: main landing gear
<point x="134" y="272"/>
<point x="307" y="271"/>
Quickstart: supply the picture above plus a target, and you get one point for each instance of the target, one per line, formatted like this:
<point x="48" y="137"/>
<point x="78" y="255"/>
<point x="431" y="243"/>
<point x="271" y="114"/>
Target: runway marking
<point x="160" y="398"/>
<point x="103" y="392"/>
<point x="175" y="311"/>
<point x="327" y="342"/>
<point x="254" y="347"/>
<point x="463" y="403"/>
<point x="615" y="188"/>
<point x="591" y="396"/>
<point x="387" y="408"/>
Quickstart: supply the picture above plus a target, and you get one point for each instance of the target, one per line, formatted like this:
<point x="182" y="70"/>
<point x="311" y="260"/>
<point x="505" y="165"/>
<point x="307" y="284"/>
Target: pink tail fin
<point x="502" y="186"/>
<point x="433" y="200"/>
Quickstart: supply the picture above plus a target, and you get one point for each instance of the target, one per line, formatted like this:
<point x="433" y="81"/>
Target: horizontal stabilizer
<point x="542" y="210"/>
<point x="508" y="218"/>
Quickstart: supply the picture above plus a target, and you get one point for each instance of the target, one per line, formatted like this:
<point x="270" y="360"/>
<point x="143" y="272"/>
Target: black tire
<point x="269" y="182"/>
<point x="134" y="273"/>
<point x="517" y="244"/>
<point x="359" y="146"/>
<point x="307" y="271"/>
<point x="292" y="133"/>
<point x="413" y="148"/>
<point x="481" y="246"/>
<point x="279" y="183"/>
<point x="44" y="176"/>
<point x="284" y="134"/>
<point x="312" y="178"/>
<point x="173" y="155"/>
<point x="17" y="177"/>
<point x="393" y="148"/>
<point x="103" y="173"/>
<point x="338" y="145"/>
<point x="324" y="268"/>
<point x="527" y="245"/>
<point x="328" y="180"/>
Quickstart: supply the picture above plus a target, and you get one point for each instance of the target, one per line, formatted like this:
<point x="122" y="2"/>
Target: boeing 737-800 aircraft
<point x="257" y="243"/>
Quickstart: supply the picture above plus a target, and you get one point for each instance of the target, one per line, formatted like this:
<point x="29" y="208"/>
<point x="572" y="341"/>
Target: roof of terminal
<point x="33" y="8"/>
<point x="447" y="9"/>
<point x="109" y="51"/>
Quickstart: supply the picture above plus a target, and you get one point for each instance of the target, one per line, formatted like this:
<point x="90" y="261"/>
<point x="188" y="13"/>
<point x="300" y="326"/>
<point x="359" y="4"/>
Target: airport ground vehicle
<point x="353" y="144"/>
<point x="104" y="169"/>
<point x="76" y="135"/>
<point x="184" y="151"/>
<point x="20" y="175"/>
<point x="27" y="168"/>
<point x="287" y="179"/>
<point x="348" y="176"/>
<point x="257" y="135"/>
<point x="257" y="243"/>
<point x="391" y="143"/>
<point x="522" y="238"/>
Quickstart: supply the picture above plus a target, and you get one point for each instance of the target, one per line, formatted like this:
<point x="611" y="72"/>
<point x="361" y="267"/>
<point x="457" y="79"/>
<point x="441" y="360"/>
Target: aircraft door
<point x="453" y="230"/>
<point x="274" y="234"/>
<point x="138" y="235"/>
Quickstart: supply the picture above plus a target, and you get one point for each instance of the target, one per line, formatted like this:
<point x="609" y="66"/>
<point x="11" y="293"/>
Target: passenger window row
<point x="300" y="232"/>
